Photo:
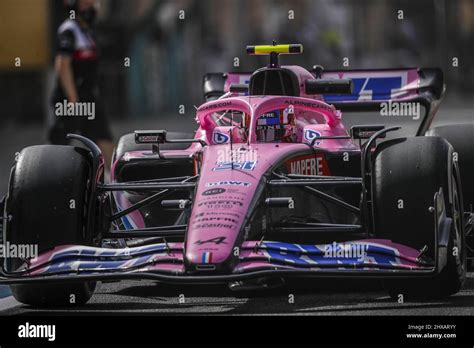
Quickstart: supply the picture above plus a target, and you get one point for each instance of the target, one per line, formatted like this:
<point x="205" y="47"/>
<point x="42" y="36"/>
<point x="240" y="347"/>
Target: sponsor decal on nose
<point x="206" y="257"/>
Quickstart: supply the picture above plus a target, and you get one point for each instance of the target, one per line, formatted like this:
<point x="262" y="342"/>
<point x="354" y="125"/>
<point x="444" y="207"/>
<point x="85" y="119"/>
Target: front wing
<point x="165" y="262"/>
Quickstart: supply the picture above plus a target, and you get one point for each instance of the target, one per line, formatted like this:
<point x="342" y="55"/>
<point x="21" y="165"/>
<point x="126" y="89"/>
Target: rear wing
<point x="371" y="88"/>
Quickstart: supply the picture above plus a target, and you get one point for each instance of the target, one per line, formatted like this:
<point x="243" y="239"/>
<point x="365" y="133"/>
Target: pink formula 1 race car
<point x="271" y="186"/>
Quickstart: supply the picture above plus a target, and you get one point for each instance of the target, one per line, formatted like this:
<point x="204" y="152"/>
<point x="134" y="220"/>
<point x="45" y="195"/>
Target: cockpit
<point x="284" y="122"/>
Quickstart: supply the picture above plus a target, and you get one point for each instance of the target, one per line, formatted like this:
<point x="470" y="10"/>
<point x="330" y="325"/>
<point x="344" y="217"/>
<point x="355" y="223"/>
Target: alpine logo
<point x="220" y="138"/>
<point x="216" y="241"/>
<point x="310" y="135"/>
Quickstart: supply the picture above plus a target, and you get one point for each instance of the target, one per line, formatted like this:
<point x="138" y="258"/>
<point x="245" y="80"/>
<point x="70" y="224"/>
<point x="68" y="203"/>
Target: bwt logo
<point x="310" y="135"/>
<point x="220" y="138"/>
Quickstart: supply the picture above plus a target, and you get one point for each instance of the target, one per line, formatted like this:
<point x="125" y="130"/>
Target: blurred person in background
<point x="76" y="64"/>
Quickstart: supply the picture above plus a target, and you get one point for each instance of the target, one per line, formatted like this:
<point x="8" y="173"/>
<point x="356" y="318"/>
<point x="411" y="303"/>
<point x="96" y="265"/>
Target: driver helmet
<point x="277" y="125"/>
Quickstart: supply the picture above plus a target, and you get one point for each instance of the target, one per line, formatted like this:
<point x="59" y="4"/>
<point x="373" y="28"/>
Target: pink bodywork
<point x="222" y="215"/>
<point x="232" y="172"/>
<point x="224" y="195"/>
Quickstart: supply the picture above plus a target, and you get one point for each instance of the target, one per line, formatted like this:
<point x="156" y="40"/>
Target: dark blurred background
<point x="169" y="55"/>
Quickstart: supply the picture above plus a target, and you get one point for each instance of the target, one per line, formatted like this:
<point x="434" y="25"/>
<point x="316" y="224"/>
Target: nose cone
<point x="224" y="194"/>
<point x="216" y="221"/>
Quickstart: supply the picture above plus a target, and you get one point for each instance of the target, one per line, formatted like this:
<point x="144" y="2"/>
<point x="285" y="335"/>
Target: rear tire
<point x="409" y="171"/>
<point x="42" y="185"/>
<point x="460" y="137"/>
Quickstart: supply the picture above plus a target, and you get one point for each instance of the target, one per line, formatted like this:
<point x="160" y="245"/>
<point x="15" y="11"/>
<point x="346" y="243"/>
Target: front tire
<point x="407" y="174"/>
<point x="47" y="202"/>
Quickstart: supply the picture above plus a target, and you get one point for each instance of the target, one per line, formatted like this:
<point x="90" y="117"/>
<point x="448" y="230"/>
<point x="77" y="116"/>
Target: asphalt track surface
<point x="312" y="298"/>
<point x="341" y="297"/>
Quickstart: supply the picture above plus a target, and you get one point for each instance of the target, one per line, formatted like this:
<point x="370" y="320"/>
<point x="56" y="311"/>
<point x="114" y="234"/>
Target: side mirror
<point x="329" y="86"/>
<point x="150" y="137"/>
<point x="366" y="131"/>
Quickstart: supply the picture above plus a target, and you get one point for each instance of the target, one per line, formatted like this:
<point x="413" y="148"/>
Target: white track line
<point x="8" y="303"/>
